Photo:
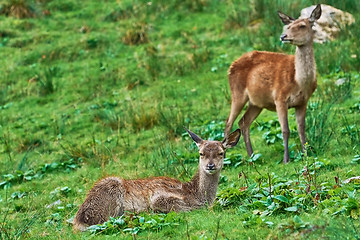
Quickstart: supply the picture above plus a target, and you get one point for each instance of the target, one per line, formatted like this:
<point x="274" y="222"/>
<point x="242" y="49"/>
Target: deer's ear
<point x="285" y="18"/>
<point x="195" y="137"/>
<point x="232" y="139"/>
<point x="316" y="14"/>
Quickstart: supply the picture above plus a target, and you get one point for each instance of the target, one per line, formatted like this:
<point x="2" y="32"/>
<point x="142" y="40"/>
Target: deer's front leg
<point x="167" y="203"/>
<point x="282" y="112"/>
<point x="300" y="113"/>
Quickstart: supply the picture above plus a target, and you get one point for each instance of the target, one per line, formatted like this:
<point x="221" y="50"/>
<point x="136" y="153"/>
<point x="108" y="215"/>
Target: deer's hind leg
<point x="103" y="201"/>
<point x="237" y="104"/>
<point x="244" y="124"/>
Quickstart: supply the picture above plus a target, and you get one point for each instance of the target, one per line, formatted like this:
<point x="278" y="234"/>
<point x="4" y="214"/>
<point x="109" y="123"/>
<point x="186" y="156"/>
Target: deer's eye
<point x="221" y="154"/>
<point x="201" y="154"/>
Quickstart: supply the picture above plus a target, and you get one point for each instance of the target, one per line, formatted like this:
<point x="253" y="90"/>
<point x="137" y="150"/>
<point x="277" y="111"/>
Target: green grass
<point x="90" y="90"/>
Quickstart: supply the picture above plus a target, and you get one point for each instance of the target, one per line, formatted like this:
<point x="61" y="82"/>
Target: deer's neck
<point x="206" y="186"/>
<point x="305" y="67"/>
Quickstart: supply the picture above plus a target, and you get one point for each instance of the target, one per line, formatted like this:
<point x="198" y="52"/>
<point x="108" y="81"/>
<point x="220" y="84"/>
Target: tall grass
<point x="335" y="89"/>
<point x="20" y="231"/>
<point x="352" y="133"/>
<point x="319" y="128"/>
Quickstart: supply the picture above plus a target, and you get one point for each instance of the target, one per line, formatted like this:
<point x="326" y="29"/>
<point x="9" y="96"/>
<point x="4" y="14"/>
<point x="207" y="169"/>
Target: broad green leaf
<point x="291" y="209"/>
<point x="227" y="161"/>
<point x="297" y="219"/>
<point x="8" y="177"/>
<point x="273" y="206"/>
<point x="3" y="183"/>
<point x="270" y="224"/>
<point x="282" y="198"/>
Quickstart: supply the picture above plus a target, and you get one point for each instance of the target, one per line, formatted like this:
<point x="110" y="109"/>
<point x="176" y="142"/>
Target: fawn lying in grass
<point x="111" y="196"/>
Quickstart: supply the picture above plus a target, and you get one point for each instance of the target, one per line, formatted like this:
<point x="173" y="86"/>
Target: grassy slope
<point x="121" y="108"/>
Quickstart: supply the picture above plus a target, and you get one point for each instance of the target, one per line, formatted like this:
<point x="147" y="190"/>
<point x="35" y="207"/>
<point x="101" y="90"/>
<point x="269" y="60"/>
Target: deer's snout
<point x="283" y="36"/>
<point x="210" y="166"/>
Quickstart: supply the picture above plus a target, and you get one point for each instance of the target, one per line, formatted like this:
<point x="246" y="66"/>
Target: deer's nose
<point x="211" y="166"/>
<point x="282" y="37"/>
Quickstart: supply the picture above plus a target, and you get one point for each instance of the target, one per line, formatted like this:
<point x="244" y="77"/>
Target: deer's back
<point x="262" y="67"/>
<point x="265" y="77"/>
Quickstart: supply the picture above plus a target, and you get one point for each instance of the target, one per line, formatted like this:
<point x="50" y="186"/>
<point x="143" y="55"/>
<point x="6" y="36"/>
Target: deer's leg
<point x="282" y="112"/>
<point x="168" y="203"/>
<point x="244" y="124"/>
<point x="300" y="113"/>
<point x="236" y="107"/>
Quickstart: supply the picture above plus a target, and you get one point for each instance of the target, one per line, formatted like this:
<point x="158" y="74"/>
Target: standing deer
<point x="276" y="81"/>
<point x="112" y="196"/>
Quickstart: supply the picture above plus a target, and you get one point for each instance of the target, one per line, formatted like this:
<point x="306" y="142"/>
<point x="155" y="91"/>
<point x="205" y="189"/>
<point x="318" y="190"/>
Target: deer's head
<point x="299" y="32"/>
<point x="212" y="153"/>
